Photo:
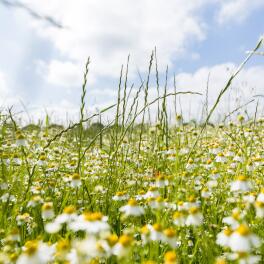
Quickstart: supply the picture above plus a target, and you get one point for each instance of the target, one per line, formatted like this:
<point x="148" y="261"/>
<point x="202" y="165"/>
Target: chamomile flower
<point x="170" y="237"/>
<point x="241" y="184"/>
<point x="234" y="219"/>
<point x="170" y="257"/>
<point x="69" y="215"/>
<point x="92" y="223"/>
<point x="157" y="203"/>
<point x="152" y="193"/>
<point x="122" y="247"/>
<point x="259" y="207"/>
<point x="21" y="140"/>
<point x="242" y="240"/>
<point x="223" y="237"/>
<point x="260" y="197"/>
<point x="36" y="252"/>
<point x="47" y="211"/>
<point x="220" y="158"/>
<point x="195" y="217"/>
<point x="76" y="180"/>
<point x="120" y="196"/>
<point x="179" y="218"/>
<point x="156" y="232"/>
<point x="132" y="209"/>
<point x="244" y="258"/>
<point x="161" y="181"/>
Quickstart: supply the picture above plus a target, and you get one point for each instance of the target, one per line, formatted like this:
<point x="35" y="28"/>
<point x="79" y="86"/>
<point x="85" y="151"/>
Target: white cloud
<point x="237" y="10"/>
<point x="248" y="83"/>
<point x="109" y="30"/>
<point x="63" y="73"/>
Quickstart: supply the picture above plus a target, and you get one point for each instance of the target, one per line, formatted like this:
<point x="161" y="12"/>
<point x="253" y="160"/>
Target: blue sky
<point x="42" y="66"/>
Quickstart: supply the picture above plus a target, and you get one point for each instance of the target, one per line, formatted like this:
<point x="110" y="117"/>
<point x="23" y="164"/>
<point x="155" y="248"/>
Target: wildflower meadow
<point x="130" y="190"/>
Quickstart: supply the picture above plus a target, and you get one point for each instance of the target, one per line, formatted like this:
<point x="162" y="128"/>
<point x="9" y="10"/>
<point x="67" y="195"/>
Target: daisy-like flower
<point x="76" y="180"/>
<point x="42" y="160"/>
<point x="223" y="237"/>
<point x="156" y="232"/>
<point x="244" y="258"/>
<point x="122" y="247"/>
<point x="238" y="158"/>
<point x="242" y="240"/>
<point x="259" y="207"/>
<point x="215" y="149"/>
<point x="89" y="248"/>
<point x="92" y="223"/>
<point x="145" y="234"/>
<point x="68" y="216"/>
<point x="260" y="197"/>
<point x="132" y="209"/>
<point x="161" y="181"/>
<point x="170" y="257"/>
<point x="120" y="196"/>
<point x="190" y="165"/>
<point x="234" y="219"/>
<point x="47" y="211"/>
<point x="249" y="198"/>
<point x="195" y="217"/>
<point x="21" y="140"/>
<point x="63" y="248"/>
<point x="220" y="158"/>
<point x="205" y="193"/>
<point x="35" y="201"/>
<point x="241" y="184"/>
<point x="36" y="252"/>
<point x="250" y="166"/>
<point x="192" y="202"/>
<point x="109" y="243"/>
<point x="179" y="218"/>
<point x="170" y="237"/>
<point x="157" y="203"/>
<point x="140" y="196"/>
<point x="152" y="193"/>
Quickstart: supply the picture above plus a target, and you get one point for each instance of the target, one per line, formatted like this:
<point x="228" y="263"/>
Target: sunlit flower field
<point x="144" y="196"/>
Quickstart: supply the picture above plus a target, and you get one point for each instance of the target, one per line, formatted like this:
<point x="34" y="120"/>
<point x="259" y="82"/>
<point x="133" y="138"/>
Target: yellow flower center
<point x="169" y="232"/>
<point x="220" y="261"/>
<point x="69" y="209"/>
<point x="76" y="176"/>
<point x="125" y="240"/>
<point x="157" y="227"/>
<point x="112" y="239"/>
<point x="242" y="178"/>
<point x="159" y="199"/>
<point x="194" y="210"/>
<point x="192" y="199"/>
<point x="236" y="215"/>
<point x="170" y="257"/>
<point x="132" y="202"/>
<point x="177" y="215"/>
<point x="259" y="204"/>
<point x="145" y="230"/>
<point x="228" y="232"/>
<point x="97" y="216"/>
<point x="63" y="245"/>
<point x="31" y="247"/>
<point x="243" y="230"/>
<point x="47" y="206"/>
